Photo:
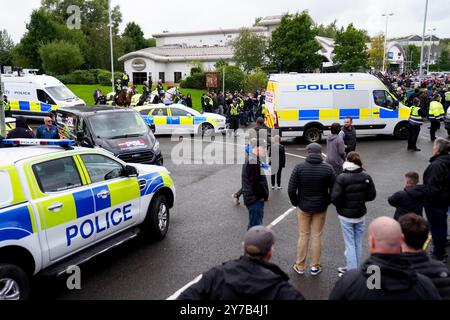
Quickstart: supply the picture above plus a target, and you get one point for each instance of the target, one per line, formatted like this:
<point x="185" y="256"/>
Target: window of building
<point x="162" y="76"/>
<point x="139" y="77"/>
<point x="177" y="77"/>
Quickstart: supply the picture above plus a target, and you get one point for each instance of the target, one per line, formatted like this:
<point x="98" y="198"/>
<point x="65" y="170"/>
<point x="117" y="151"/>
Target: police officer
<point x="125" y="80"/>
<point x="6" y="106"/>
<point x="160" y="90"/>
<point x="415" y="123"/>
<point x="145" y="93"/>
<point x="234" y="115"/>
<point x="118" y="86"/>
<point x="209" y="104"/>
<point x="436" y="114"/>
<point x="447" y="98"/>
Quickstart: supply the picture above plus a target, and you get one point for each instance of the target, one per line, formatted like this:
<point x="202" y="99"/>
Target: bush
<point x="60" y="57"/>
<point x="234" y="78"/>
<point x="196" y="70"/>
<point x="83" y="77"/>
<point x="256" y="80"/>
<point x="195" y="81"/>
<point x="104" y="78"/>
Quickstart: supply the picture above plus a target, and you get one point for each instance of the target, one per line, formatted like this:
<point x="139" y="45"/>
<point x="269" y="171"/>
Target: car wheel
<point x="14" y="283"/>
<point x="401" y="131"/>
<point x="156" y="223"/>
<point x="207" y="130"/>
<point x="312" y="135"/>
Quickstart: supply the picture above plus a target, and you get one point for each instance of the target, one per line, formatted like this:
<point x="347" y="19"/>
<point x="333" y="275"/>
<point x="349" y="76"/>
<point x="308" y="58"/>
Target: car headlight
<point x="156" y="146"/>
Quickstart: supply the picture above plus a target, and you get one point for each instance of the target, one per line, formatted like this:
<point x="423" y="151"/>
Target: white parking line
<point x="271" y="226"/>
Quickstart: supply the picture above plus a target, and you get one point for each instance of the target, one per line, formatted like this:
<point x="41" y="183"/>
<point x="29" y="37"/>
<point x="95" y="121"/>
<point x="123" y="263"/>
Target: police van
<point x="35" y="96"/>
<point x="306" y="105"/>
<point x="60" y="206"/>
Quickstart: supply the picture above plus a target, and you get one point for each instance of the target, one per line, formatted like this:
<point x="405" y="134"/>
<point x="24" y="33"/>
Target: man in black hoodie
<point x="386" y="275"/>
<point x="252" y="277"/>
<point x="437" y="200"/>
<point x="22" y="131"/>
<point x="416" y="231"/>
<point x="409" y="200"/>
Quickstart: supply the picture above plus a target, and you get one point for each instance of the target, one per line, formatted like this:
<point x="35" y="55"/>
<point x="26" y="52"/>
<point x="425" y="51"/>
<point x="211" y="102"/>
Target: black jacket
<point x="310" y="185"/>
<point x="398" y="281"/>
<point x="277" y="155"/>
<point x="409" y="200"/>
<point x="243" y="279"/>
<point x="351" y="192"/>
<point x="435" y="270"/>
<point x="349" y="138"/>
<point x="437" y="181"/>
<point x="254" y="183"/>
<point x="21" y="131"/>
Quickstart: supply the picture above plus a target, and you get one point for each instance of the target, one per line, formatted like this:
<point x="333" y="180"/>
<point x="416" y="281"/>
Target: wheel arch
<point x="167" y="192"/>
<point x="18" y="256"/>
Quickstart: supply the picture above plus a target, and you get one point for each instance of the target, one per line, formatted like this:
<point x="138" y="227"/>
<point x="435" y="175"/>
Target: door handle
<point x="376" y="113"/>
<point x="103" y="194"/>
<point x="56" y="207"/>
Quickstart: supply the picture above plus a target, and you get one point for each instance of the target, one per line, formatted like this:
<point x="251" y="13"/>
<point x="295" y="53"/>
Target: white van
<point x="306" y="105"/>
<point x="34" y="96"/>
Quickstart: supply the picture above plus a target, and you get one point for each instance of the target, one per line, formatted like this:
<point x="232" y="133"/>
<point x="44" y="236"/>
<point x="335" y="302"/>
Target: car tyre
<point x="402" y="131"/>
<point x="14" y="283"/>
<point x="313" y="135"/>
<point x="156" y="223"/>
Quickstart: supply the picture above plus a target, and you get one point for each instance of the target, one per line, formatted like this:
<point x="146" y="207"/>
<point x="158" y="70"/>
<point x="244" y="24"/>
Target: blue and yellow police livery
<point x="179" y="119"/>
<point x="58" y="202"/>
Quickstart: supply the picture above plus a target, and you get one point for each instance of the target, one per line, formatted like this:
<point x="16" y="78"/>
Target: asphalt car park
<point x="206" y="228"/>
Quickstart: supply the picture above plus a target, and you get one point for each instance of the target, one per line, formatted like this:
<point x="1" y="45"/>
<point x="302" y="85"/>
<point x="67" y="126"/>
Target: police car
<point x="61" y="206"/>
<point x="10" y="124"/>
<point x="177" y="118"/>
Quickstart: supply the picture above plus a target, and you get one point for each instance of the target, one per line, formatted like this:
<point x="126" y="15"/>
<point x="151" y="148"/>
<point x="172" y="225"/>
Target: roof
<point x="31" y="78"/>
<point x="206" y="32"/>
<point x="9" y="156"/>
<point x="270" y="20"/>
<point x="416" y="38"/>
<point x="294" y="77"/>
<point x="180" y="54"/>
<point x="91" y="109"/>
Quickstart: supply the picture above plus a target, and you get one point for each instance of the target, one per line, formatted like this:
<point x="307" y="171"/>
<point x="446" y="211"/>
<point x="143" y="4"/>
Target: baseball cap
<point x="314" y="148"/>
<point x="258" y="241"/>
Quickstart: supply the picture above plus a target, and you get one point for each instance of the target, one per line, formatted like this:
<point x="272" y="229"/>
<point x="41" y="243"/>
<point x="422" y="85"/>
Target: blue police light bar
<point x="38" y="142"/>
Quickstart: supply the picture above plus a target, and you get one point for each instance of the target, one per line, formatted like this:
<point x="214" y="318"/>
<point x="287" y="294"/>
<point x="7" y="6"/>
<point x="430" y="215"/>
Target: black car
<point x="120" y="131"/>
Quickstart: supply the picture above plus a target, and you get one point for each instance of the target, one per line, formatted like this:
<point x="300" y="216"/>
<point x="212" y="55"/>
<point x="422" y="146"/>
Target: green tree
<point x="249" y="49"/>
<point x="350" y="50"/>
<point x="293" y="46"/>
<point x="328" y="31"/>
<point x="41" y="30"/>
<point x="133" y="38"/>
<point x="444" y="60"/>
<point x="256" y="80"/>
<point x="412" y="56"/>
<point x="221" y="63"/>
<point x="6" y="48"/>
<point x="376" y="52"/>
<point x="234" y="77"/>
<point x="60" y="57"/>
<point x="151" y="42"/>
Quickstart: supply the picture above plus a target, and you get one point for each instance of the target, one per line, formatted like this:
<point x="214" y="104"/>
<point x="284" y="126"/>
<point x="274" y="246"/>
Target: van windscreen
<point x="118" y="124"/>
<point x="61" y="93"/>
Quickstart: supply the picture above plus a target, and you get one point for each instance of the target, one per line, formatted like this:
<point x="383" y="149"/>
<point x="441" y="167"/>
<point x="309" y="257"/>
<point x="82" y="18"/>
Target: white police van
<point x="60" y="207"/>
<point x="306" y="105"/>
<point x="35" y="96"/>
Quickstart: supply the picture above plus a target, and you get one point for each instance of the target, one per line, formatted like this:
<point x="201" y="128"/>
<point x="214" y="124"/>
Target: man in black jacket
<point x="309" y="189"/>
<point x="386" y="275"/>
<point x="409" y="200"/>
<point x="416" y="230"/>
<point x="254" y="183"/>
<point x="437" y="200"/>
<point x="252" y="277"/>
<point x="348" y="134"/>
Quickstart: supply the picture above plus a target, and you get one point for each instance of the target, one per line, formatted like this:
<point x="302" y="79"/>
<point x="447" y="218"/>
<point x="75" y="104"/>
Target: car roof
<point x="9" y="156"/>
<point x="93" y="109"/>
<point x="153" y="106"/>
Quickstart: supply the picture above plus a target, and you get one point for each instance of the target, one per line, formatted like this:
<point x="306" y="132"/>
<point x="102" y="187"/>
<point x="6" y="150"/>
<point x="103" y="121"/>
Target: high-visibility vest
<point x="234" y="111"/>
<point x="7" y="106"/>
<point x="447" y="96"/>
<point x="436" y="111"/>
<point x="415" y="117"/>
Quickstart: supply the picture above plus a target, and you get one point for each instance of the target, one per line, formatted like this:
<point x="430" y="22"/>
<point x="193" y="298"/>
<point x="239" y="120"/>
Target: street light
<point x="429" y="49"/>
<point x="387" y="15"/>
<point x="423" y="39"/>
<point x="111" y="44"/>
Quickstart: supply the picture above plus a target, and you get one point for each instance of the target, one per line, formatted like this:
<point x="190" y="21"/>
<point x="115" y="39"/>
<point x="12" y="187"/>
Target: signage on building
<point x="138" y="64"/>
<point x="212" y="79"/>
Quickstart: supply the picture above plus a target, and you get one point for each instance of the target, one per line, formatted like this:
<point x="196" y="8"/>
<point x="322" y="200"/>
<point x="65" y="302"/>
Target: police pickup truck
<point x="61" y="206"/>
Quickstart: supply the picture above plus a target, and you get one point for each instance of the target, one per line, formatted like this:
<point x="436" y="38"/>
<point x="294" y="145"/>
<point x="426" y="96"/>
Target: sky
<point x="191" y="15"/>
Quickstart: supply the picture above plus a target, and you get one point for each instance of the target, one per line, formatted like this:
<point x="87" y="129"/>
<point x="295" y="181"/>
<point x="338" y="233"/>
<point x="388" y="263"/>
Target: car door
<point x="116" y="197"/>
<point x="159" y="115"/>
<point x="64" y="201"/>
<point x="181" y="120"/>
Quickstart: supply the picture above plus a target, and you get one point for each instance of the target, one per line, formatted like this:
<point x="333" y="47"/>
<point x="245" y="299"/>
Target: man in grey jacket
<point x="336" y="149"/>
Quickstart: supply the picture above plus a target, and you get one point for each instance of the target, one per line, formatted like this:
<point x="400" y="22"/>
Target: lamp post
<point x="423" y="39"/>
<point x="2" y="108"/>
<point x="387" y="15"/>
<point x="429" y="49"/>
<point x="111" y="44"/>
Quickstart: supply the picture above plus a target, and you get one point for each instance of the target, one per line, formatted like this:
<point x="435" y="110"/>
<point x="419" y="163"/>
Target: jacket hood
<point x="332" y="137"/>
<point x="251" y="276"/>
<point x="396" y="272"/>
<point x="21" y="122"/>
<point x="415" y="191"/>
<point x="351" y="167"/>
<point x="314" y="159"/>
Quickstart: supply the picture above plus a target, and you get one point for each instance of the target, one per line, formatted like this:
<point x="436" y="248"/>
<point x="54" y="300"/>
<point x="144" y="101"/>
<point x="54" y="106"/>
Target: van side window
<point x="44" y="97"/>
<point x="383" y="99"/>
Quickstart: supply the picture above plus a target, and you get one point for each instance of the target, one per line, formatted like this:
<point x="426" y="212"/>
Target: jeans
<point x="353" y="233"/>
<point x="437" y="216"/>
<point x="255" y="214"/>
<point x="310" y="226"/>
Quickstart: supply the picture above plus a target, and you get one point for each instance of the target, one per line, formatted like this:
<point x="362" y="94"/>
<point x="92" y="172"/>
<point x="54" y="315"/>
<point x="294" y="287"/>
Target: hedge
<point x="93" y="76"/>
